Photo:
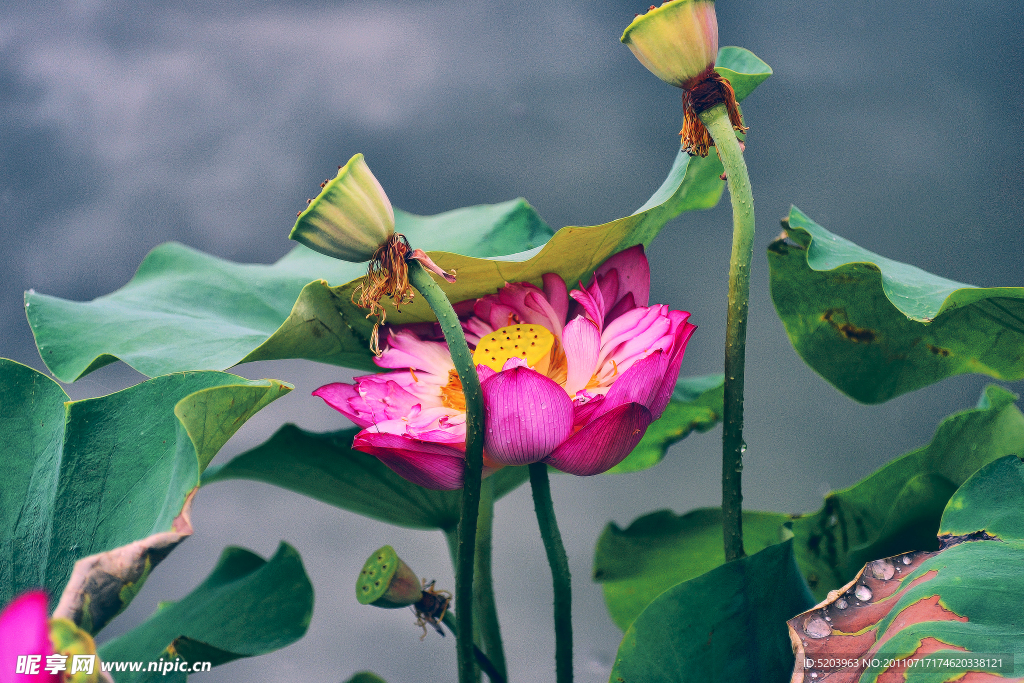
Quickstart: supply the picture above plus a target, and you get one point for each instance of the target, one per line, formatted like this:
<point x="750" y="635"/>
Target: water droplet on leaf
<point x="863" y="593"/>
<point x="881" y="569"/>
<point x="816" y="627"/>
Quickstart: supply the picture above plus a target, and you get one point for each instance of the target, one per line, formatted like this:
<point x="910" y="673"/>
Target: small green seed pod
<point x="386" y="581"/>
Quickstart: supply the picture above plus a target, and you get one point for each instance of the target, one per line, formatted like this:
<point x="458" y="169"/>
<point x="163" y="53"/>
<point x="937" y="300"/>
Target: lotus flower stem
<point x="485" y="663"/>
<point x="716" y="120"/>
<point x="486" y="610"/>
<point x="560" y="577"/>
<point x="488" y="628"/>
<point x="463" y="359"/>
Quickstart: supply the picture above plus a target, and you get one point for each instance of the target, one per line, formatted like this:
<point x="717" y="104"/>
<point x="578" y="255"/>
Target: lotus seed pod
<point x="350" y="219"/>
<point x="677" y="41"/>
<point x="386" y="581"/>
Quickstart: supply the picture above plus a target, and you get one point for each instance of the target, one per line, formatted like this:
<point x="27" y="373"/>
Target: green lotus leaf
<point x="725" y="625"/>
<point x="949" y="612"/>
<point x="893" y="510"/>
<point x="185" y="310"/>
<point x="247" y="606"/>
<point x="86" y="477"/>
<point x="743" y="68"/>
<point x="876" y="328"/>
<point x="324" y="466"/>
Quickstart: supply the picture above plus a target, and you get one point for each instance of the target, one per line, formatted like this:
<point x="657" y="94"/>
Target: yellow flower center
<point x="532" y="343"/>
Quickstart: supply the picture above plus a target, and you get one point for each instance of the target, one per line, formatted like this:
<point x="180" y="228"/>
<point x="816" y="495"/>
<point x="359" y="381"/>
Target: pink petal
<point x="633" y="273"/>
<point x="406" y="350"/>
<point x="484" y="372"/>
<point x="515" y="362"/>
<point x="430" y="465"/>
<point x="475" y="329"/>
<point x="339" y="396"/>
<point x="543" y="314"/>
<point x="585" y="412"/>
<point x="668" y="383"/>
<point x="604" y="443"/>
<point x="527" y="416"/>
<point x="373" y="400"/>
<point x="609" y="284"/>
<point x="592" y="302"/>
<point x="24" y="631"/>
<point x="652" y="333"/>
<point x="581" y="341"/>
<point x="639" y="384"/>
<point x="422" y="257"/>
<point x="555" y="292"/>
<point x="501" y="315"/>
<point x="529" y="306"/>
<point x="624" y="305"/>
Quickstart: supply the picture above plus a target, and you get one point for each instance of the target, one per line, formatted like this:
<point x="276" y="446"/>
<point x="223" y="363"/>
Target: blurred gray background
<point x="124" y="125"/>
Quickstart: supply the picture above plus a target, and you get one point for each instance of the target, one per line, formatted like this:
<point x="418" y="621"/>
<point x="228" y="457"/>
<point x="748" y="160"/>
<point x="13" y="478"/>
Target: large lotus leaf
<point x="696" y="405"/>
<point x="324" y="466"/>
<point x="247" y="606"/>
<point x="85" y="477"/>
<point x="661" y="549"/>
<point x="932" y="616"/>
<point x="895" y="509"/>
<point x="876" y="328"/>
<point x="185" y="310"/>
<point x="726" y="625"/>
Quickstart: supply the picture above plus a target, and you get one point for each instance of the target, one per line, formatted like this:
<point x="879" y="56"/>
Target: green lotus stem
<point x="716" y="120"/>
<point x="463" y="359"/>
<point x="560" y="577"/>
<point x="486" y="617"/>
<point x="485" y="663"/>
<point x="486" y="609"/>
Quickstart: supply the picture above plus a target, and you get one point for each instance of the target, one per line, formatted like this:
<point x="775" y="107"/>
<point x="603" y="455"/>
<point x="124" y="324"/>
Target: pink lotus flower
<point x="25" y="632"/>
<point x="571" y="382"/>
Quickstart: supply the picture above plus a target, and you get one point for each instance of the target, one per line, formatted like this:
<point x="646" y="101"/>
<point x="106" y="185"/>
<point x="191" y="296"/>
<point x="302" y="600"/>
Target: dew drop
<point x="882" y="569"/>
<point x="743" y="447"/>
<point x="841" y="604"/>
<point x="863" y="593"/>
<point x="906" y="559"/>
<point x="816" y="627"/>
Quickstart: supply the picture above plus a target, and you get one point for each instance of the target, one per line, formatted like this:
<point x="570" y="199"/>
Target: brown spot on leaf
<point x="948" y="540"/>
<point x="96" y="591"/>
<point x="858" y="335"/>
<point x="939" y="351"/>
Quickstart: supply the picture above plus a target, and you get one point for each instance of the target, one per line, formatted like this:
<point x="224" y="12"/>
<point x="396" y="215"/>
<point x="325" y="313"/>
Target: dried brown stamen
<point x="700" y="94"/>
<point x="386" y="275"/>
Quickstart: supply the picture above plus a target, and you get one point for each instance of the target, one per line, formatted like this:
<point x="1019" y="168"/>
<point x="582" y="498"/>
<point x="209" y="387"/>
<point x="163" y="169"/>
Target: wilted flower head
<point x="678" y="43"/>
<point x="570" y="379"/>
<point x="352" y="220"/>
